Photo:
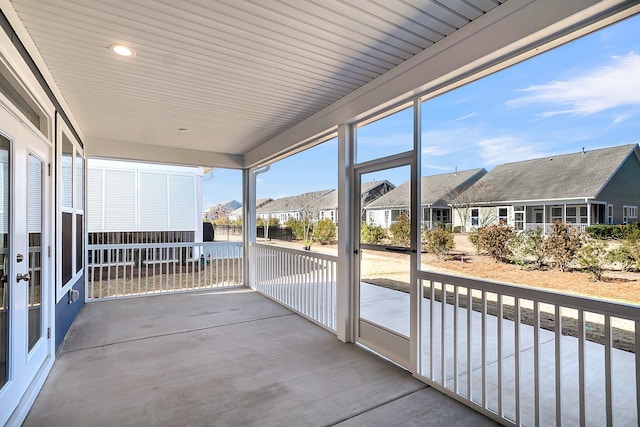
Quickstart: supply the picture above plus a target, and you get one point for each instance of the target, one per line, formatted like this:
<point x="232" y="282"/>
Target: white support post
<point x="415" y="287"/>
<point x="248" y="221"/>
<point x="345" y="282"/>
<point x="588" y="212"/>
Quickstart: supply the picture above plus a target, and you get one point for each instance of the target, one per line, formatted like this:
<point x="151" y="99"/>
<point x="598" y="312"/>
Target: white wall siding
<point x="124" y="196"/>
<point x="95" y="199"/>
<point x="154" y="201"/>
<point x="120" y="198"/>
<point x="182" y="206"/>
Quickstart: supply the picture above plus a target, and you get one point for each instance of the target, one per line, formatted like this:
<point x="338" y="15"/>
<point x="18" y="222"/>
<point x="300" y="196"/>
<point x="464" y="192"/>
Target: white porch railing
<point x="531" y="357"/>
<point x="301" y="280"/>
<point x="548" y="227"/>
<point x="116" y="271"/>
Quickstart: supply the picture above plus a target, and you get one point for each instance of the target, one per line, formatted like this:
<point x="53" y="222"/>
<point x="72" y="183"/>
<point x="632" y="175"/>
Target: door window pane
<point x="4" y="258"/>
<point x="34" y="224"/>
<point x="67" y="172"/>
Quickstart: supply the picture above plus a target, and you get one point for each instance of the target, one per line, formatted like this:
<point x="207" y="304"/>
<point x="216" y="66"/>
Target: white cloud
<point x="468" y="116"/>
<point x="621" y="118"/>
<point x="507" y="149"/>
<point x="610" y="86"/>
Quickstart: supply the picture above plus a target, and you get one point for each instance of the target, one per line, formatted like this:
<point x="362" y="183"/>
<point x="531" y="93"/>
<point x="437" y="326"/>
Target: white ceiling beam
<point x="123" y="150"/>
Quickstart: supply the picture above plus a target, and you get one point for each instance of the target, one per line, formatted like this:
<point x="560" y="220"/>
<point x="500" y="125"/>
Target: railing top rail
<point x="300" y="252"/>
<point x="616" y="309"/>
<point x="161" y="245"/>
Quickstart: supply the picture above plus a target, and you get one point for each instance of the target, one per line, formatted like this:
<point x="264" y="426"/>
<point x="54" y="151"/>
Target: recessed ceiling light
<point x="122" y="50"/>
<point x="183" y="130"/>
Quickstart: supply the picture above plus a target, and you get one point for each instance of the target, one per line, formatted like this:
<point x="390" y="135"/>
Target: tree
<point x="462" y="200"/>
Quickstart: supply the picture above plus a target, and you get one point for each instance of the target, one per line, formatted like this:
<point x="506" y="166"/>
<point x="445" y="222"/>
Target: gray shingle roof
<point x="330" y="200"/>
<point x="434" y="189"/>
<point x="292" y="203"/>
<point x="555" y="177"/>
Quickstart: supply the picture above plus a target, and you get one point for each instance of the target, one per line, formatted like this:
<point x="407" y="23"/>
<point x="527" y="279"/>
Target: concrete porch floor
<point x="226" y="358"/>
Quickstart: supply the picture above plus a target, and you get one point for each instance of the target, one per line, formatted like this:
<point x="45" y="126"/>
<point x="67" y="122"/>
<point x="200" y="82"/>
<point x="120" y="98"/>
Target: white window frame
<point x="475" y="223"/>
<point x="629" y="212"/>
<point x="504" y="218"/>
<point x="63" y="288"/>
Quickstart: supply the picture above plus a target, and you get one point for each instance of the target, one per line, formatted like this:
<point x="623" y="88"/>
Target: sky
<point x="582" y="94"/>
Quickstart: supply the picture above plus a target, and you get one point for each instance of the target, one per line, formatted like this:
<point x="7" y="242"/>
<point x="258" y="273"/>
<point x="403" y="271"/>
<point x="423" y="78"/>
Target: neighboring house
<point x="237" y="213"/>
<point x="436" y="191"/>
<point x="591" y="187"/>
<point x="222" y="209"/>
<point x="132" y="202"/>
<point x="327" y="206"/>
<point x="291" y="206"/>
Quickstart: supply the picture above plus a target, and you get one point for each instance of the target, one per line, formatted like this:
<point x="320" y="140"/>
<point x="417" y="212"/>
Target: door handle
<point x="25" y="277"/>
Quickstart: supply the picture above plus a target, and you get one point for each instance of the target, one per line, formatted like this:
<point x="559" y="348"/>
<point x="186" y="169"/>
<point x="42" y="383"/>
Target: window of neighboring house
<point x="370" y="216"/>
<point x="629" y="212"/>
<point x="556" y="214"/>
<point x="333" y="217"/>
<point x="583" y="215"/>
<point x="571" y="217"/>
<point x="475" y="217"/>
<point x="503" y="216"/>
<point x="72" y="175"/>
<point x="395" y="214"/>
<point x="610" y="214"/>
<point x="518" y="217"/>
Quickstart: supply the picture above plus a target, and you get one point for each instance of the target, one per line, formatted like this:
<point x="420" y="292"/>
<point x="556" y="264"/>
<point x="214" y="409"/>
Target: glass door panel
<point x="384" y="267"/>
<point x="4" y="259"/>
<point x="34" y="235"/>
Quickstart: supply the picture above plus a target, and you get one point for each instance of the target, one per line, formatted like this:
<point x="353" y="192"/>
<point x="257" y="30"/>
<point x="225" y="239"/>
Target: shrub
<point x="401" y="231"/>
<point x="604" y="231"/>
<point x="592" y="257"/>
<point x="260" y="222"/>
<point x="627" y="255"/>
<point x="562" y="245"/>
<point x="494" y="239"/>
<point x="439" y="241"/>
<point x="324" y="231"/>
<point x="301" y="229"/>
<point x="457" y="229"/>
<point x="528" y="247"/>
<point x="372" y="234"/>
<point x="475" y="241"/>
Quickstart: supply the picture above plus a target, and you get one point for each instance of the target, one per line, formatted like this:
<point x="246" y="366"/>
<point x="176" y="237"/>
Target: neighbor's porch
<point x="226" y="357"/>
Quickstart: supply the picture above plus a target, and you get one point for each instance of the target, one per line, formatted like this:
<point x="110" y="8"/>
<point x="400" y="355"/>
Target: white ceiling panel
<point x="236" y="73"/>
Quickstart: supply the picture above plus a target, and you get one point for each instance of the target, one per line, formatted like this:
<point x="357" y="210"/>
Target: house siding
<point x="624" y="187"/>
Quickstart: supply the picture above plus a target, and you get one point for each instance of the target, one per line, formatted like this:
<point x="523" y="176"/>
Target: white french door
<point x="25" y="286"/>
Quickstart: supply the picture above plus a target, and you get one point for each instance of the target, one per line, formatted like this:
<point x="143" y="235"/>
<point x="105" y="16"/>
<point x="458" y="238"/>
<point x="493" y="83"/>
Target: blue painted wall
<point x="66" y="313"/>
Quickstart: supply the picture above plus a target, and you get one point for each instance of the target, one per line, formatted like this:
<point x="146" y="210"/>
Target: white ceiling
<point x="236" y="73"/>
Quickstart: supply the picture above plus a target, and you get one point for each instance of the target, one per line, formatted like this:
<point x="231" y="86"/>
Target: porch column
<point x="345" y="278"/>
<point x="588" y="212"/>
<point x="249" y="220"/>
<point x="430" y="217"/>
